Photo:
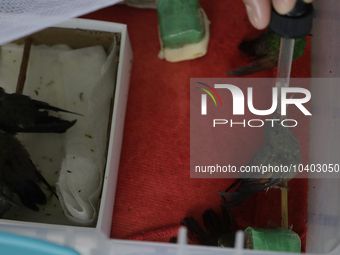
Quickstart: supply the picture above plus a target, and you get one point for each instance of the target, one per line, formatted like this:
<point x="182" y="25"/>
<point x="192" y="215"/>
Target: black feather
<point x="19" y="173"/>
<point x="195" y="231"/>
<point x="265" y="63"/>
<point x="19" y="113"/>
<point x="216" y="226"/>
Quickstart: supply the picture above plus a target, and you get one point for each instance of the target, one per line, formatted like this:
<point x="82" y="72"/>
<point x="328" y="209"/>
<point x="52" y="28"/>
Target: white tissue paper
<point x="81" y="176"/>
<point x="81" y="81"/>
<point x="19" y="18"/>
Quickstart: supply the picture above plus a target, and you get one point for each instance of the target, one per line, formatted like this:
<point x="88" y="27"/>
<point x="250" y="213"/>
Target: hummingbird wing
<point x="264" y="49"/>
<point x="252" y="182"/>
<point x="220" y="228"/>
<point x="255" y="47"/>
<point x="228" y="220"/>
<point x="219" y="224"/>
<point x="196" y="232"/>
<point x="246" y="188"/>
<point x="46" y="124"/>
<point x="19" y="113"/>
<point x="212" y="222"/>
<point x="262" y="64"/>
<point x="19" y="173"/>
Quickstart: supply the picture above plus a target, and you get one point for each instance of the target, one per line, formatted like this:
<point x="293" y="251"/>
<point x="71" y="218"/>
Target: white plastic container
<point x="323" y="235"/>
<point x="117" y="121"/>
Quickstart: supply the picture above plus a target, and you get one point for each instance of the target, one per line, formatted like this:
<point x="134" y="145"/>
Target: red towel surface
<point x="154" y="190"/>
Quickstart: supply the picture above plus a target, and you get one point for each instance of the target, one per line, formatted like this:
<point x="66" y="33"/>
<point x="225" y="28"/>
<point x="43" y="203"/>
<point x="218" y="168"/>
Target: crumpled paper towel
<point x="81" y="176"/>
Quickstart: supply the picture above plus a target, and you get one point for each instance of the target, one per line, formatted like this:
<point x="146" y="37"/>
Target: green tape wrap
<point x="179" y="22"/>
<point x="272" y="240"/>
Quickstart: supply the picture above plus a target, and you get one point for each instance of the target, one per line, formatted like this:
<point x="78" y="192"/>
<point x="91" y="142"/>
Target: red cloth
<point x="154" y="191"/>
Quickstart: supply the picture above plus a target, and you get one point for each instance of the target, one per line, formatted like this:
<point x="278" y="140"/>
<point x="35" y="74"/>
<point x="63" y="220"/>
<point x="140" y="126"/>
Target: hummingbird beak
<point x="282" y="117"/>
<point x="277" y="115"/>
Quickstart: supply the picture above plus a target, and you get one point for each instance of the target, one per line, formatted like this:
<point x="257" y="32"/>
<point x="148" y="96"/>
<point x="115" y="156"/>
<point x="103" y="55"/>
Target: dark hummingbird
<point x="265" y="50"/>
<point x="18" y="174"/>
<point x="220" y="228"/>
<point x="279" y="149"/>
<point x="19" y="113"/>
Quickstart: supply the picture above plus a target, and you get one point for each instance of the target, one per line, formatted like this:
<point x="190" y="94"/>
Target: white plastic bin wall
<point x="324" y="194"/>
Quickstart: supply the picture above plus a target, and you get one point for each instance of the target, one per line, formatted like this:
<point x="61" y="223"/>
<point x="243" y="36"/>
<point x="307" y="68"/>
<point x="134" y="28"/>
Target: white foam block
<point x="188" y="51"/>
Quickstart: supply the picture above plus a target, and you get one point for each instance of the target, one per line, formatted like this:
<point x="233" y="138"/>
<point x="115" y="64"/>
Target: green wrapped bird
<point x="19" y="175"/>
<point x="280" y="148"/>
<point x="265" y="50"/>
<point x="19" y="113"/>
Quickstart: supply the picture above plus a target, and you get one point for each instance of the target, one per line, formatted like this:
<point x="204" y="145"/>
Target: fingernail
<point x="283" y="6"/>
<point x="253" y="17"/>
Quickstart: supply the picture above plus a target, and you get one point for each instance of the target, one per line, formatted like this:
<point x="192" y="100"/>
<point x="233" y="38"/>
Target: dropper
<point x="297" y="23"/>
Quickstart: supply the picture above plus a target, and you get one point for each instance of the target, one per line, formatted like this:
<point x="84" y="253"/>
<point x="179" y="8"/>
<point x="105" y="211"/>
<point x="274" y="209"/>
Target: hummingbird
<point x="20" y="113"/>
<point x="19" y="175"/>
<point x="265" y="50"/>
<point x="220" y="228"/>
<point x="280" y="148"/>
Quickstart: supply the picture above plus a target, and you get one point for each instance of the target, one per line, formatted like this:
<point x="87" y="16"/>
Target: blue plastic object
<point x="11" y="244"/>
